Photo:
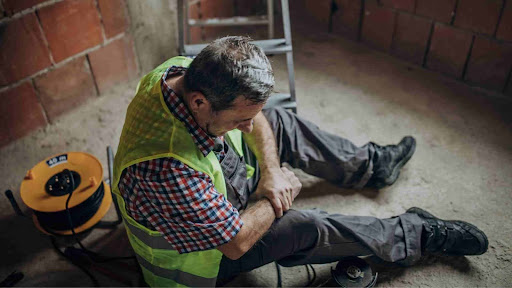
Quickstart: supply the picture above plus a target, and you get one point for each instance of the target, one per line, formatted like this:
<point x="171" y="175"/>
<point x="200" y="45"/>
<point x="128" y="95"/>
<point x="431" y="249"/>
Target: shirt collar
<point x="178" y="108"/>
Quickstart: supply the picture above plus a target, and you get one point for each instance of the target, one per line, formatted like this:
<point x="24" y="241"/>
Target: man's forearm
<point x="257" y="220"/>
<point x="262" y="143"/>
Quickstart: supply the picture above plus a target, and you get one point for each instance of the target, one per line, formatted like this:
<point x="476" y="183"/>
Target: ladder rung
<point x="230" y="21"/>
<point x="271" y="46"/>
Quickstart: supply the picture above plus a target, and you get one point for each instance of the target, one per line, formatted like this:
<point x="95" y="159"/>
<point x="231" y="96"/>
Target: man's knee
<point x="304" y="226"/>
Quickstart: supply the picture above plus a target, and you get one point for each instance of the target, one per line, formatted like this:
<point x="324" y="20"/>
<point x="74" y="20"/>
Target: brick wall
<point x="56" y="54"/>
<point x="470" y="40"/>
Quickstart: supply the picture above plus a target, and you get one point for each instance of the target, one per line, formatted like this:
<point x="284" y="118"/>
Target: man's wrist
<point x="270" y="169"/>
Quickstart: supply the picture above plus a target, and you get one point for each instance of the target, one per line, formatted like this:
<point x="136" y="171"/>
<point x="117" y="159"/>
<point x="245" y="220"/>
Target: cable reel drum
<point x="64" y="190"/>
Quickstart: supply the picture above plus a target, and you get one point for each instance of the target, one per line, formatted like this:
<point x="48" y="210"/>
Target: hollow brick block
<point x="411" y="37"/>
<point x="113" y="63"/>
<point x="20" y="112"/>
<point x="448" y="50"/>
<point x="114" y="16"/>
<point x="71" y="27"/>
<point x="478" y="15"/>
<point x="22" y="49"/>
<point x="490" y="64"/>
<point x="66" y="87"/>
<point x="439" y="10"/>
<point x="378" y="26"/>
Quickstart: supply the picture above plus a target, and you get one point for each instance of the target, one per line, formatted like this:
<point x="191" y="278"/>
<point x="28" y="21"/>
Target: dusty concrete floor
<point x="461" y="169"/>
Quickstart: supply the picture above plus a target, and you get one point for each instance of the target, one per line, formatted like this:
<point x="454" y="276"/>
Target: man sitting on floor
<point x="197" y="144"/>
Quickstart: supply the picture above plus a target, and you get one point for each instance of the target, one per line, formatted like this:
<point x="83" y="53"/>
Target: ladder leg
<point x="180" y="27"/>
<point x="291" y="77"/>
<point x="289" y="55"/>
<point x="286" y="22"/>
<point x="270" y="17"/>
<point x="187" y="27"/>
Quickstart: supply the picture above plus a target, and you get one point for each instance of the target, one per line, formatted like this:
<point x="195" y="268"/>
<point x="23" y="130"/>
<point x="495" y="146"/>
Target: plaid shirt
<point x="181" y="203"/>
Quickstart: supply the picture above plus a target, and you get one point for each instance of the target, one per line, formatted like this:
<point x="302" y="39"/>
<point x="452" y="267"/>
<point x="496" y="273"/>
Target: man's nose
<point x="246" y="127"/>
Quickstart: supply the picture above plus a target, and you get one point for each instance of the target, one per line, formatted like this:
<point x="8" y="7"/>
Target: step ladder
<point x="271" y="46"/>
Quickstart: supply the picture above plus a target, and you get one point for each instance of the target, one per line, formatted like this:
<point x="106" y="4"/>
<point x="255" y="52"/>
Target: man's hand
<point x="280" y="187"/>
<point x="278" y="184"/>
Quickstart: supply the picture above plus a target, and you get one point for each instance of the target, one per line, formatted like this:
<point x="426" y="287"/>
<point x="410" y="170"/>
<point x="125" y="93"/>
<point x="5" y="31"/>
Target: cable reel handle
<point x="14" y="204"/>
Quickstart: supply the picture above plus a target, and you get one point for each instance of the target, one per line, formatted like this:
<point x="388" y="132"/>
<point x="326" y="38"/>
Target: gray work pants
<point x="314" y="236"/>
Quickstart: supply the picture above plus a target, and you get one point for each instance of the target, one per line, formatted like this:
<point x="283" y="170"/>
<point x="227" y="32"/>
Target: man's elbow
<point x="234" y="250"/>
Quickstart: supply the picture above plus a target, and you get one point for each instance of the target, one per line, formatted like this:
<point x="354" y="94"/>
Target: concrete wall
<point x="154" y="29"/>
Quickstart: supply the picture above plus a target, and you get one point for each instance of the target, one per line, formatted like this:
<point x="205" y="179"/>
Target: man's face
<point x="240" y="116"/>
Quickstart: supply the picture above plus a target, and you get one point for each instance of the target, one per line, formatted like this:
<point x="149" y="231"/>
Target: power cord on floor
<point x="95" y="257"/>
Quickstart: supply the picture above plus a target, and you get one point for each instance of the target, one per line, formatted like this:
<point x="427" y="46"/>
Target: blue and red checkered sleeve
<point x="181" y="203"/>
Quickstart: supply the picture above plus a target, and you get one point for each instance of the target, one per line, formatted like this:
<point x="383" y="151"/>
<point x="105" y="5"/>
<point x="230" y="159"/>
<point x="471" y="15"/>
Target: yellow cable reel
<point x="48" y="185"/>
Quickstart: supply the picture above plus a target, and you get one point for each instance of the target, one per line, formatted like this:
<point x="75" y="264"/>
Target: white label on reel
<point x="57" y="160"/>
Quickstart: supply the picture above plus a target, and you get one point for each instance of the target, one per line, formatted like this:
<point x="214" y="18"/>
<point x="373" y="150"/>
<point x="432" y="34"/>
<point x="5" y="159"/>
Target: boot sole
<point x="425" y="214"/>
<point x="396" y="170"/>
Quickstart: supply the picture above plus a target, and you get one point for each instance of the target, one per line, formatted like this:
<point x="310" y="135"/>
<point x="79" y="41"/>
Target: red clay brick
<point x="439" y="10"/>
<point x="505" y="26"/>
<point x="478" y="15"/>
<point x="71" y="27"/>
<point x="448" y="50"/>
<point x="13" y="6"/>
<point x="113" y="63"/>
<point x="114" y="16"/>
<point x="411" y="37"/>
<point x="346" y="19"/>
<point x="22" y="49"/>
<point x="378" y="25"/>
<point x="489" y="64"/>
<point x="20" y="111"/>
<point x="407" y="5"/>
<point x="66" y="87"/>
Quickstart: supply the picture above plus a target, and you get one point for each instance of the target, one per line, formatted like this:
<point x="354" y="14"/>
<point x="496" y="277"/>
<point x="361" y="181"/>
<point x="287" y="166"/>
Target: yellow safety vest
<point x="151" y="131"/>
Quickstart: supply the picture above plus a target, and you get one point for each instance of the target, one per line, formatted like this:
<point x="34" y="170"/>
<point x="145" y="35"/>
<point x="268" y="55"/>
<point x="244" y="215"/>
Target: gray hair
<point x="230" y="67"/>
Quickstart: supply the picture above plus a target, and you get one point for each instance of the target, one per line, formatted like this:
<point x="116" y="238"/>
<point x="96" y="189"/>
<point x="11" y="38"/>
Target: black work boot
<point x="449" y="237"/>
<point x="388" y="160"/>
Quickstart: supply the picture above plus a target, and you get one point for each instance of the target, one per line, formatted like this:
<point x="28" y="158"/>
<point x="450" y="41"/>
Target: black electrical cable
<point x="310" y="280"/>
<point x="95" y="256"/>
<point x="80" y="214"/>
<point x="56" y="247"/>
<point x="279" y="280"/>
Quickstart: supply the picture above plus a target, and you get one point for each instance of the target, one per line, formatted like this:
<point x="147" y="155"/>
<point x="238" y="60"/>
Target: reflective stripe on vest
<point x="155" y="242"/>
<point x="178" y="276"/>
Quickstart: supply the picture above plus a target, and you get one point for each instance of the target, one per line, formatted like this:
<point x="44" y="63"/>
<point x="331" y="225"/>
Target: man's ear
<point x="198" y="103"/>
